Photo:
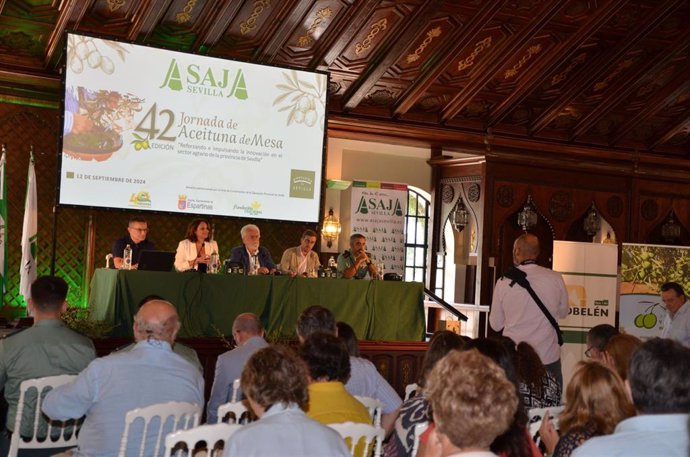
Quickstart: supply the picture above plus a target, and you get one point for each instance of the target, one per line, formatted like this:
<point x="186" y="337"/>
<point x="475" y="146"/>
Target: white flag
<point x="3" y="222"/>
<point x="29" y="234"/>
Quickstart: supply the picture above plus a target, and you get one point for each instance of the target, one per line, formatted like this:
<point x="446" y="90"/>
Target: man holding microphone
<point x="356" y="263"/>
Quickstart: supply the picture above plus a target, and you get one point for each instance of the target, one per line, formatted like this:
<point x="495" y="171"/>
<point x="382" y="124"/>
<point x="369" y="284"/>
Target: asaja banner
<point x="378" y="212"/>
<point x="644" y="268"/>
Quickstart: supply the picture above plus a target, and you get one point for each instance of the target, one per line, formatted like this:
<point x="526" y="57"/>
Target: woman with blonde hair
<point x="618" y="352"/>
<point x="595" y="402"/>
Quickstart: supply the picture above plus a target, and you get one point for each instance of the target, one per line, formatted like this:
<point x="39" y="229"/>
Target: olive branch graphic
<point x="301" y="98"/>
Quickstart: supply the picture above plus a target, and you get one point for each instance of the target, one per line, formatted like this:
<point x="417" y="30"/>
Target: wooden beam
<point x="282" y="33"/>
<point x="628" y="84"/>
<point x="217" y="23"/>
<point x="458" y="41"/>
<point x="536" y="75"/>
<point x="326" y="54"/>
<point x="670" y="91"/>
<point x="501" y="55"/>
<point x="605" y="62"/>
<point x="71" y="13"/>
<point x="379" y="65"/>
<point x="678" y="125"/>
<point x="149" y="14"/>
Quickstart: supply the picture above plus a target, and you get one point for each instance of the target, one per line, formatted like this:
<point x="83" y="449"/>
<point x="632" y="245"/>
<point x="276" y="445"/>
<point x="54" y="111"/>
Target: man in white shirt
<point x="677" y="323"/>
<point x="659" y="385"/>
<point x="515" y="312"/>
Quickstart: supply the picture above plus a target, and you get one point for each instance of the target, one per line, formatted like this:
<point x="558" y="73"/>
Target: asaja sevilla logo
<point x="195" y="79"/>
<point x="182" y="202"/>
<point x="384" y="206"/>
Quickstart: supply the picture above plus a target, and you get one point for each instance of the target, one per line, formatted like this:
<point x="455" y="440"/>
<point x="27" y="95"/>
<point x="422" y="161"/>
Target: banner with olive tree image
<point x="644" y="268"/>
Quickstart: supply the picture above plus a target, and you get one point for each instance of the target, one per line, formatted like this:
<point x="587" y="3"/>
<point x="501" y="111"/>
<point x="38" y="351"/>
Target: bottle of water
<point x="332" y="267"/>
<point x="127" y="258"/>
<point x="213" y="263"/>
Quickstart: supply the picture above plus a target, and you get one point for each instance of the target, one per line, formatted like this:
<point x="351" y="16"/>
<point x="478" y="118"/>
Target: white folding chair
<point x="410" y="390"/>
<point x="237" y="409"/>
<point x="418" y="430"/>
<point x="536" y="416"/>
<point x="361" y="432"/>
<point x="57" y="434"/>
<point x="184" y="416"/>
<point x="235" y="390"/>
<point x="210" y="434"/>
<point x="374" y="406"/>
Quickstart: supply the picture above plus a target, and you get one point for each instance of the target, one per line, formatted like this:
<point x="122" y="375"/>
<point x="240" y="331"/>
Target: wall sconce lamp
<point x="527" y="218"/>
<point x="592" y="222"/>
<point x="670" y="231"/>
<point x="459" y="216"/>
<point x="330" y="228"/>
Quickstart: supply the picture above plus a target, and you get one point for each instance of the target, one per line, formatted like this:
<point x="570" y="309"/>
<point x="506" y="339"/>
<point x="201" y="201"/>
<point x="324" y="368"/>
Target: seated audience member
<point x="196" y="248"/>
<point x="515" y="441"/>
<point x="538" y="387"/>
<point x="597" y="337"/>
<point x="249" y="337"/>
<point x="184" y="351"/>
<point x="111" y="386"/>
<point x="677" y="321"/>
<point x="415" y="410"/>
<point x="365" y="380"/>
<point x="137" y="229"/>
<point x="302" y="260"/>
<point x="256" y="259"/>
<point x="659" y="384"/>
<point x="356" y="263"/>
<point x="472" y="401"/>
<point x="48" y="348"/>
<point x="275" y="383"/>
<point x="329" y="369"/>
<point x="595" y="402"/>
<point x="618" y="351"/>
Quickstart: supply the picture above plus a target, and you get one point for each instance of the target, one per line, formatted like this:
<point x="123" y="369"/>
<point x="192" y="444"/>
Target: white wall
<point x="360" y="160"/>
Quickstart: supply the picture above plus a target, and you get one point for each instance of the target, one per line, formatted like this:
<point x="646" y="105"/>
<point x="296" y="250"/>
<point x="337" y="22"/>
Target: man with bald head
<point x="515" y="312"/>
<point x="111" y="386"/>
<point x="249" y="337"/>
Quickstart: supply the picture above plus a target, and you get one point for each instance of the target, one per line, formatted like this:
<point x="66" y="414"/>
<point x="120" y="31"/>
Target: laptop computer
<point x="156" y="260"/>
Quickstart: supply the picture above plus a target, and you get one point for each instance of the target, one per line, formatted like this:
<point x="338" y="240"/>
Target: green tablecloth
<point x="208" y="304"/>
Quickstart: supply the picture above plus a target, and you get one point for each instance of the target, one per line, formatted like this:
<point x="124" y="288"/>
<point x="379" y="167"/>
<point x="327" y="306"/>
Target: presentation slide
<point x="151" y="129"/>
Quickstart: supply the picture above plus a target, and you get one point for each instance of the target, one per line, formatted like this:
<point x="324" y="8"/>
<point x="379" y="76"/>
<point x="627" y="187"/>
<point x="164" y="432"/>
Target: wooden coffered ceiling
<point x="608" y="75"/>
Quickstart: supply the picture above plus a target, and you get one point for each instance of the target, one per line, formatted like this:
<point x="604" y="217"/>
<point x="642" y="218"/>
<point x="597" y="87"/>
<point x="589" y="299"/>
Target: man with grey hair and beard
<point x="112" y="386"/>
<point x="255" y="258"/>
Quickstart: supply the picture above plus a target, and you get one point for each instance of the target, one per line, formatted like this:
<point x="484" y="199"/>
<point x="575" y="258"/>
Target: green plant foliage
<point x="655" y="265"/>
<point x="78" y="319"/>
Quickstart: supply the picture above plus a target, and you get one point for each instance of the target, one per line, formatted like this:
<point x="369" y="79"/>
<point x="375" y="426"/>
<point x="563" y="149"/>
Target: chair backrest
<point x="57" y="434"/>
<point x="361" y="432"/>
<point x="418" y="430"/>
<point x="183" y="415"/>
<point x="374" y="406"/>
<point x="536" y="416"/>
<point x="237" y="409"/>
<point x="410" y="390"/>
<point x="210" y="434"/>
<point x="235" y="390"/>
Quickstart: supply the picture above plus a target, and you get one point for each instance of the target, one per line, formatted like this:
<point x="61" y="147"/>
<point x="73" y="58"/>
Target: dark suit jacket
<point x="239" y="254"/>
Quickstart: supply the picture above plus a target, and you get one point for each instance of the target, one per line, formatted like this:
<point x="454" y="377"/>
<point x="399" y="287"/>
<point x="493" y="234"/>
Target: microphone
<point x="201" y="267"/>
